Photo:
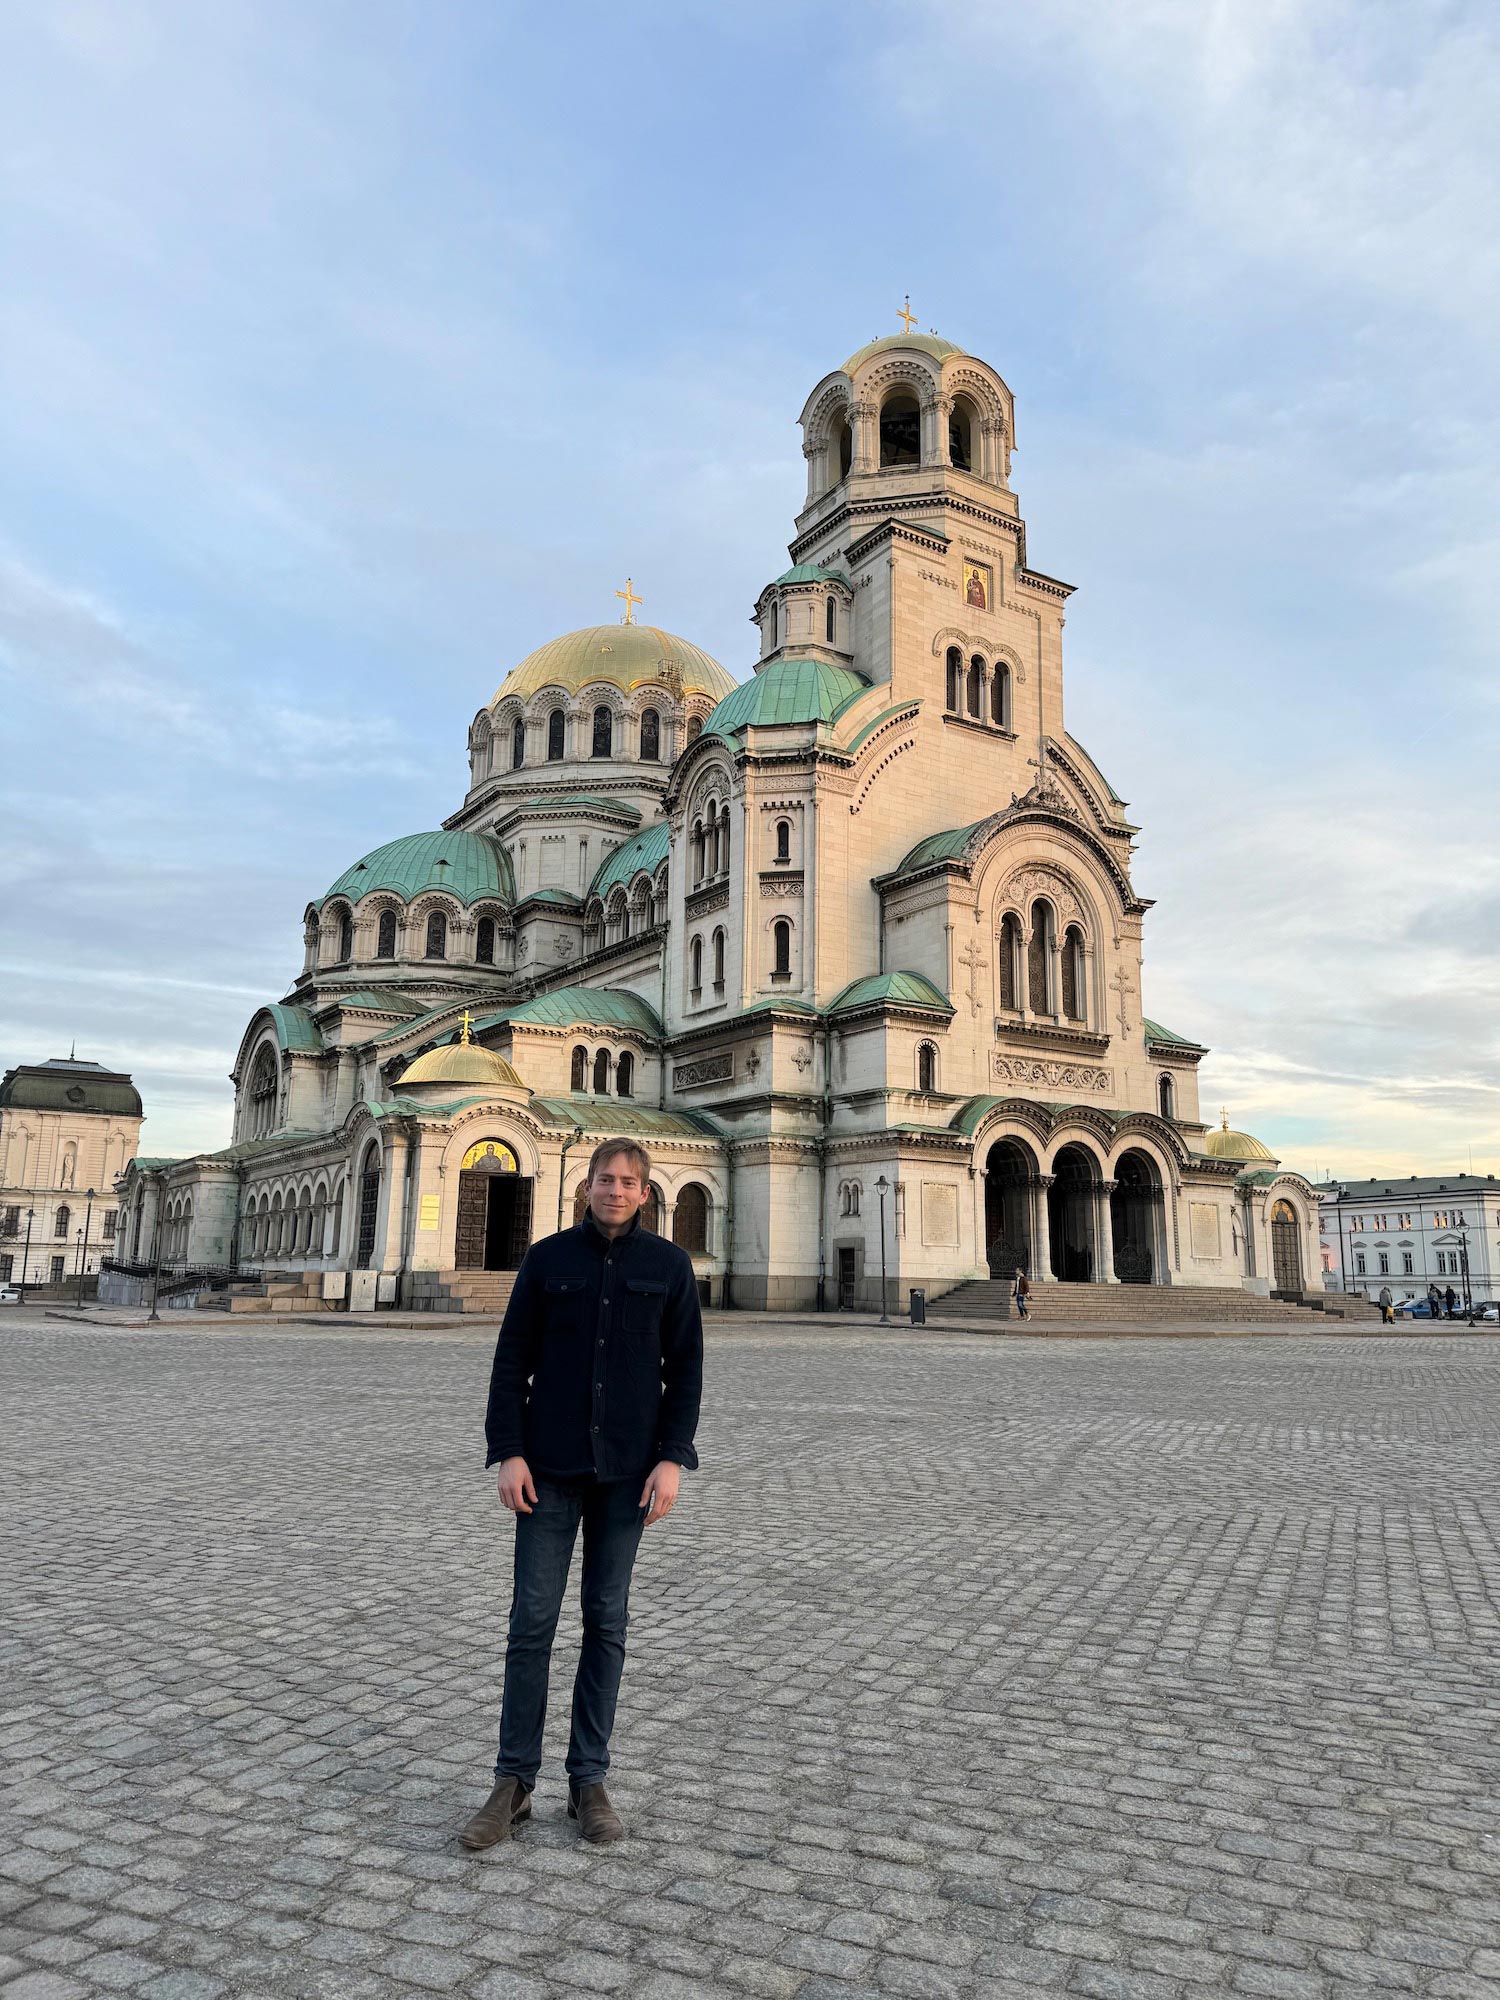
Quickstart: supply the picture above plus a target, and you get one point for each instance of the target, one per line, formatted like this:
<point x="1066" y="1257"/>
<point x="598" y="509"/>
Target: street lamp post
<point x="881" y="1188"/>
<point x="26" y="1253"/>
<point x="1464" y="1262"/>
<point x="88" y="1220"/>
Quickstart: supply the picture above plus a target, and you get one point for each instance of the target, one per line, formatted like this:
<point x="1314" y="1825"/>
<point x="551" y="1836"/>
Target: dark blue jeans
<point x="612" y="1524"/>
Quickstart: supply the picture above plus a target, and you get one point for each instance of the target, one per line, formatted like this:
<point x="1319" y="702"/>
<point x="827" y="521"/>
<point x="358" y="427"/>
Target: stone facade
<point x="854" y="946"/>
<point x="68" y="1131"/>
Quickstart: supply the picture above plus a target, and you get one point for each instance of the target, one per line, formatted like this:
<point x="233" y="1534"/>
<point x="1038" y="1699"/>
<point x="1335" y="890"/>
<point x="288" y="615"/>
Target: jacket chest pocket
<point x="563" y="1304"/>
<point x="645" y="1301"/>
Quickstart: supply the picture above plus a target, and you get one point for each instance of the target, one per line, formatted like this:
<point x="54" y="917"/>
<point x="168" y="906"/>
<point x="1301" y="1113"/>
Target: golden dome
<point x="627" y="656"/>
<point x="463" y="1062"/>
<point x="1227" y="1145"/>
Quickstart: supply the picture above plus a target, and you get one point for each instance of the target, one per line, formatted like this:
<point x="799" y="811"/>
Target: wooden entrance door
<point x="1286" y="1249"/>
<point x="473" y="1221"/>
<point x="847" y="1279"/>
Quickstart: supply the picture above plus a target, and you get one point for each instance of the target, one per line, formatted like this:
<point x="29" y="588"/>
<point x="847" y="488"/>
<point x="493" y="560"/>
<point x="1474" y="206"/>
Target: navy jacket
<point x="599" y="1365"/>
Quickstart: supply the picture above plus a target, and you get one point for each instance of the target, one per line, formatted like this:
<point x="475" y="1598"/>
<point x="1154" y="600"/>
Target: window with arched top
<point x="650" y="736"/>
<point x="961" y="436"/>
<point x="694" y="728"/>
<point x="625" y="1075"/>
<point x="1038" y="953"/>
<point x="927" y="1067"/>
<point x="840" y="449"/>
<point x="697" y="844"/>
<point x="1000" y="695"/>
<point x="955" y="677"/>
<point x="601" y="1073"/>
<point x="346" y="936"/>
<point x="781" y="949"/>
<point x="783" y="840"/>
<point x="518" y="744"/>
<point x="484" y="941"/>
<point x="556" y="733"/>
<point x="437" y="935"/>
<point x="1009" y="984"/>
<point x="723" y="868"/>
<point x="1166" y="1097"/>
<point x="64" y="1217"/>
<point x="604" y="732"/>
<point x="719" y="944"/>
<point x="830" y="619"/>
<point x="1073" y="974"/>
<point x="695" y="965"/>
<point x="690" y="1220"/>
<point x="976" y="687"/>
<point x="385" y="935"/>
<point x="578" y="1074"/>
<point x="773" y="624"/>
<point x="264" y="1084"/>
<point x="900" y="430"/>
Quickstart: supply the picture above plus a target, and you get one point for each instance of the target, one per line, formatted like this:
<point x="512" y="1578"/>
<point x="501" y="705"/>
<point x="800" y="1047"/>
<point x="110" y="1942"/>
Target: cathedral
<point x="852" y="944"/>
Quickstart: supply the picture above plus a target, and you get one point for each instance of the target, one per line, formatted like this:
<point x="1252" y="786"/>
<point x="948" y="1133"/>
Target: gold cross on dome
<point x="906" y="316"/>
<point x="631" y="600"/>
<point x="465" y="1022"/>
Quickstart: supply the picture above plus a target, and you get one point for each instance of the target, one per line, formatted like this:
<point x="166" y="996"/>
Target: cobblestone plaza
<point x="1126" y="1668"/>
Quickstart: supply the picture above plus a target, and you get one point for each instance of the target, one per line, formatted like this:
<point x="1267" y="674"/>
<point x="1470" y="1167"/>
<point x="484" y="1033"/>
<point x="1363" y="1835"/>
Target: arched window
<point x="556" y="724"/>
<point x="484" y="941"/>
<point x="927" y="1067"/>
<point x="385" y="941"/>
<point x="625" y="1075"/>
<point x="1010" y="961"/>
<point x="719" y="961"/>
<point x="783" y="840"/>
<point x="1038" y="951"/>
<point x="976" y="687"/>
<point x="711" y="842"/>
<point x="723" y="840"/>
<point x="64" y="1217"/>
<point x="346" y="936"/>
<point x="1072" y="974"/>
<point x="773" y="624"/>
<point x="830" y="620"/>
<point x="1000" y="695"/>
<point x="1166" y="1097"/>
<point x="650" y="736"/>
<point x="604" y="732"/>
<point x="601" y="1073"/>
<point x="263" y="1092"/>
<point x="781" y="949"/>
<point x="694" y="728"/>
<point x="699" y="850"/>
<point x="841" y="449"/>
<point x="961" y="437"/>
<point x="518" y="744"/>
<point x="900" y="430"/>
<point x="578" y="1078"/>
<point x="690" y="1220"/>
<point x="955" y="695"/>
<point x="437" y="935"/>
<point x="695" y="965"/>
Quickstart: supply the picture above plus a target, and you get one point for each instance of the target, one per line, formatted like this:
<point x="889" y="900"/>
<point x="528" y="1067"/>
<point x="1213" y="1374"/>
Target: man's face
<point x="616" y="1193"/>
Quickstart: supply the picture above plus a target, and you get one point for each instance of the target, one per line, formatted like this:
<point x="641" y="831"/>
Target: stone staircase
<point x="484" y="1292"/>
<point x="298" y="1291"/>
<point x="1060" y="1304"/>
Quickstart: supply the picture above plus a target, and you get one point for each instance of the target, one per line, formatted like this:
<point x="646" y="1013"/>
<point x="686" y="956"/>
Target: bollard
<point x="918" y="1306"/>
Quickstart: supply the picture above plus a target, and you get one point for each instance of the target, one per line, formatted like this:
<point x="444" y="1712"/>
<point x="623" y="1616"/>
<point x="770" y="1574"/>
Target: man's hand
<point x="661" y="1490"/>
<point x="516" y="1485"/>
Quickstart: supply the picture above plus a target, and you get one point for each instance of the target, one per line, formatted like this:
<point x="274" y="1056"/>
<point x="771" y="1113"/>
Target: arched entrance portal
<point x="1135" y="1212"/>
<point x="1009" y="1175"/>
<point x="1286" y="1249"/>
<point x="494" y="1209"/>
<point x="1070" y="1215"/>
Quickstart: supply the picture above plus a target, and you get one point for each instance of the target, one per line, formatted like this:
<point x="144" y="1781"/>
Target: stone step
<point x="990" y="1299"/>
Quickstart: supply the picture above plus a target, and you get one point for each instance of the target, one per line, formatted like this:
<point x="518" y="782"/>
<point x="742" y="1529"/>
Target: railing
<point x="171" y="1278"/>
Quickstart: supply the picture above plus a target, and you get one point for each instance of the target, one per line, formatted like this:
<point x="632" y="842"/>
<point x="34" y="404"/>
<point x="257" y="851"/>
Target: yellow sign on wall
<point x="490" y="1156"/>
<point x="431" y="1205"/>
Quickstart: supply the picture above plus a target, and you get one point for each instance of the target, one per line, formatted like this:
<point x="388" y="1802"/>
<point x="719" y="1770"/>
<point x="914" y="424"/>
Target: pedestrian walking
<point x="1021" y="1293"/>
<point x="1387" y="1305"/>
<point x="1450" y="1300"/>
<point x="1434" y="1302"/>
<point x="593" y="1406"/>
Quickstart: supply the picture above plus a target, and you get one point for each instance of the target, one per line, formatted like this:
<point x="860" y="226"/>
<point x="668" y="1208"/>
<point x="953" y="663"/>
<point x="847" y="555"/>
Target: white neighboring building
<point x="1410" y="1234"/>
<point x="68" y="1131"/>
<point x="854" y="944"/>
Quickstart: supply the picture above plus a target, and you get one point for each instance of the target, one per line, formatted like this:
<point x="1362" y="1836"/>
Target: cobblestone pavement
<point x="1137" y="1669"/>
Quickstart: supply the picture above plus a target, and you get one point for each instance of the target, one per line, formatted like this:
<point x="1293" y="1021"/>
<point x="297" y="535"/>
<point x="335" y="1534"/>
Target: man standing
<point x="1387" y="1305"/>
<point x="593" y="1404"/>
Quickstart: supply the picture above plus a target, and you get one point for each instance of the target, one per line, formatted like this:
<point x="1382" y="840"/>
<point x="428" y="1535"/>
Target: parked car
<point x="1415" y="1308"/>
<point x="1488" y="1310"/>
<point x="10" y="1295"/>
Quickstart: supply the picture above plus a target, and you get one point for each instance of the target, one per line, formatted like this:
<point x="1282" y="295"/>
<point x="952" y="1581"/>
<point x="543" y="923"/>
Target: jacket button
<point x="596" y="1427"/>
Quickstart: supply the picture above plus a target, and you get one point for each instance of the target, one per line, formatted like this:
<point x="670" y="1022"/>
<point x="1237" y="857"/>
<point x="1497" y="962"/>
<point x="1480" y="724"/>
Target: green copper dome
<point x="468" y="865"/>
<point x="787" y="691"/>
<point x="924" y="343"/>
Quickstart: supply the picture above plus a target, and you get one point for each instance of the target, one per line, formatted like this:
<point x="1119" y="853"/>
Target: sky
<point x="351" y="351"/>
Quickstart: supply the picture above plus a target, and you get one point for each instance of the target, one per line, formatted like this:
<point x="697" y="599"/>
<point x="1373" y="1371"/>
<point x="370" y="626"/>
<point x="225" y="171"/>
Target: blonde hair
<point x="610" y="1147"/>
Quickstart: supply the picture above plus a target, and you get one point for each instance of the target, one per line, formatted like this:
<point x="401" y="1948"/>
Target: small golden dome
<point x="627" y="656"/>
<point x="1227" y="1145"/>
<point x="462" y="1062"/>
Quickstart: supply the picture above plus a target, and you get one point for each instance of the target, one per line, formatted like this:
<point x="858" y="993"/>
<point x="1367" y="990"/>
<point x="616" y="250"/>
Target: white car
<point x="10" y="1295"/>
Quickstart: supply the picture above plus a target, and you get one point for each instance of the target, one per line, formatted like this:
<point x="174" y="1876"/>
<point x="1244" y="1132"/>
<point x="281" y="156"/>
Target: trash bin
<point x="918" y="1306"/>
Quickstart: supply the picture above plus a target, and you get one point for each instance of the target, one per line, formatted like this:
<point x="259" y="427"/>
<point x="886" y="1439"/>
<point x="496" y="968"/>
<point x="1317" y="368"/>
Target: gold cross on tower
<point x="631" y="600"/>
<point x="465" y="1022"/>
<point x="906" y="316"/>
